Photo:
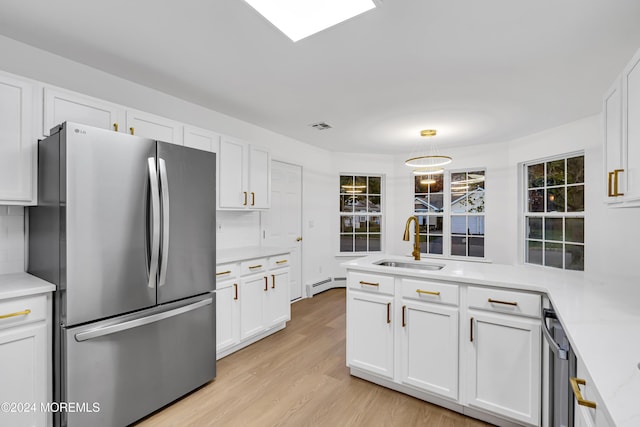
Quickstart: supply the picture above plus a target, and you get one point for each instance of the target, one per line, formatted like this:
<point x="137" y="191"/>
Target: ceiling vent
<point x="321" y="126"/>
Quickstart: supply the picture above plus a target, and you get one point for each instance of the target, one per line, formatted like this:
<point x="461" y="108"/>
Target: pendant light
<point x="427" y="161"/>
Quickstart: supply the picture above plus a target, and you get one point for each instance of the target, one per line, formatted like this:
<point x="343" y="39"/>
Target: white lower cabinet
<point x="252" y="302"/>
<point x="588" y="404"/>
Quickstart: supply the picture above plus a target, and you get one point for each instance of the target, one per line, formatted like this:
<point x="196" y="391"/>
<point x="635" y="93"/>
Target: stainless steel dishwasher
<point x="562" y="366"/>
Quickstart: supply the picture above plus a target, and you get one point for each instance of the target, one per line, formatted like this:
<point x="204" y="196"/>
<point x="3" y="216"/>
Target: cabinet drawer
<point x="430" y="291"/>
<point x="371" y="283"/>
<point x="251" y="266"/>
<point x="504" y="301"/>
<point x="279" y="261"/>
<point x="19" y="311"/>
<point x="227" y="271"/>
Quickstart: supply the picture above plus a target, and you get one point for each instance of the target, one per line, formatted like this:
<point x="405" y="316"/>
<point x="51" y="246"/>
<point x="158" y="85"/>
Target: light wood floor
<point x="297" y="377"/>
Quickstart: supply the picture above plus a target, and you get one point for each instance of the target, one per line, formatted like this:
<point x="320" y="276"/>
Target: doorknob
<point x="298" y="239"/>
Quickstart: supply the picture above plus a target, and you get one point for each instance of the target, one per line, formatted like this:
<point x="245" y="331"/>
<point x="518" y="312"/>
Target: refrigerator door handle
<point x="155" y="222"/>
<point x="164" y="189"/>
<point x="130" y="324"/>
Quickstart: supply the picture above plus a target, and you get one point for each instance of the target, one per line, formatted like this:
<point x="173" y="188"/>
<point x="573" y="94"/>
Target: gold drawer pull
<point x="253" y="267"/>
<point x="115" y="127"/>
<point x="17" y="313"/>
<point x="132" y="131"/>
<point x="388" y="312"/>
<point x="222" y="273"/>
<point x="495" y="301"/>
<point x="420" y="291"/>
<point x="369" y="283"/>
<point x="235" y="291"/>
<point x="284" y="261"/>
<point x="576" y="391"/>
<point x="615" y="182"/>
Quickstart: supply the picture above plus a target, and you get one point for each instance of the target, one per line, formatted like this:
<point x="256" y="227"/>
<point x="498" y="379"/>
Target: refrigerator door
<point x="187" y="251"/>
<point x="133" y="365"/>
<point x="109" y="223"/>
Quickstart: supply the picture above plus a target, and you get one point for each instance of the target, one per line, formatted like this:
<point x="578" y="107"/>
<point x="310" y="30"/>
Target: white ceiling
<point x="477" y="70"/>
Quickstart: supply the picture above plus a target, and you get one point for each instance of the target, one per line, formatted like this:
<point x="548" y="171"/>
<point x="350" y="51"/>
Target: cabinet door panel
<point x="252" y="297"/>
<point x="504" y="365"/>
<point x="232" y="189"/>
<point x="17" y="147"/>
<point x="430" y="348"/>
<point x="370" y="334"/>
<point x="227" y="320"/>
<point x="631" y="126"/>
<point x="278" y="307"/>
<point x="259" y="178"/>
<point x="612" y="122"/>
<point x="154" y="127"/>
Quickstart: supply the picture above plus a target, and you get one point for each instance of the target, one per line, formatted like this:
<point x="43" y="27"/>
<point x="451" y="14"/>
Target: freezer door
<point x="187" y="251"/>
<point x="108" y="235"/>
<point x="123" y="369"/>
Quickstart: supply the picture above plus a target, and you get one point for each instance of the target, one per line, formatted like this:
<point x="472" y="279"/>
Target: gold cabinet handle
<point x="253" y="198"/>
<point x="245" y="199"/>
<point x="471" y="329"/>
<point x="222" y="273"/>
<point x="495" y="301"/>
<point x="273" y="281"/>
<point x="609" y="187"/>
<point x="369" y="283"/>
<point x="388" y="312"/>
<point x="132" y="131"/>
<point x="235" y="291"/>
<point x="404" y="323"/>
<point x="298" y="239"/>
<point x="253" y="267"/>
<point x="615" y="182"/>
<point x="115" y="127"/>
<point x="576" y="391"/>
<point x="282" y="261"/>
<point x="420" y="291"/>
<point x="17" y="313"/>
<point x="266" y="284"/>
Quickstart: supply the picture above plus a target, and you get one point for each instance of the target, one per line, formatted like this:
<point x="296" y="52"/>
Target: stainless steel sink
<point x="414" y="265"/>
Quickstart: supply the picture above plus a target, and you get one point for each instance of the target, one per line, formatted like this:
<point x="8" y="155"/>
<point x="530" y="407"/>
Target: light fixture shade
<point x="431" y="161"/>
<point x="298" y="19"/>
<point x="428" y="171"/>
<point x="426" y="158"/>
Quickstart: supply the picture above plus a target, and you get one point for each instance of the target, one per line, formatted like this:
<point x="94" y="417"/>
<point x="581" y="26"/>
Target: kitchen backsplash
<point x="11" y="239"/>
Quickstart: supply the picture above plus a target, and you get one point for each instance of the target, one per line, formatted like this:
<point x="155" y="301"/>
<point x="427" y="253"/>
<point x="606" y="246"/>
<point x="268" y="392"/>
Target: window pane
<point x="534" y="228"/>
<point x="534" y="252"/>
<point x="476" y="225"/>
<point x="459" y="202"/>
<point x="435" y="245"/>
<point x="374" y="203"/>
<point x="346" y="243"/>
<point x="347" y="203"/>
<point x="430" y="224"/>
<point x="555" y="172"/>
<point x="360" y="241"/>
<point x="459" y="225"/>
<point x="375" y="224"/>
<point x="346" y="184"/>
<point x="476" y="180"/>
<point x="360" y="183"/>
<point x="574" y="230"/>
<point x="457" y="178"/>
<point x="536" y="201"/>
<point x="553" y="229"/>
<point x="476" y="246"/>
<point x="346" y="224"/>
<point x="374" y="242"/>
<point x="555" y="199"/>
<point x="374" y="185"/>
<point x="458" y="245"/>
<point x="575" y="170"/>
<point x="436" y="202"/>
<point x="359" y="224"/>
<point x="476" y="201"/>
<point x="421" y="203"/>
<point x="574" y="257"/>
<point x="575" y="198"/>
<point x="535" y="175"/>
<point x="553" y="254"/>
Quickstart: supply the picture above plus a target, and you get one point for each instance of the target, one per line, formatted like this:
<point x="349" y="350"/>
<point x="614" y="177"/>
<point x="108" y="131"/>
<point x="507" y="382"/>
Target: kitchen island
<point x="600" y="315"/>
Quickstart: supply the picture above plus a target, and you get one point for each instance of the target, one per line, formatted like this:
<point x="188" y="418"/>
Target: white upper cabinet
<point x="245" y="176"/>
<point x="62" y="106"/>
<point x="621" y="122"/>
<point x="201" y="139"/>
<point x="18" y="145"/>
<point x="155" y="127"/>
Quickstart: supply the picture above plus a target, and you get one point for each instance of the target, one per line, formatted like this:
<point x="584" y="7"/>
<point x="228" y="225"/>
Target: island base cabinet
<point x="503" y="365"/>
<point x="430" y="348"/>
<point x="370" y="333"/>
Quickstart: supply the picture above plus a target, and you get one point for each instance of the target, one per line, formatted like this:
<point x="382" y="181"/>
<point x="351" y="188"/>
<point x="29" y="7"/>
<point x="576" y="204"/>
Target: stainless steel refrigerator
<point x="125" y="227"/>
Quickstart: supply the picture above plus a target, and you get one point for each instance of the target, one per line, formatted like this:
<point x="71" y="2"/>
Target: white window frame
<point x="524" y="210"/>
<point x="365" y="215"/>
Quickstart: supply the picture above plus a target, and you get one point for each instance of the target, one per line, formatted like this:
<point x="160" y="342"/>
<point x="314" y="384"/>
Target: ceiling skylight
<point x="301" y="18"/>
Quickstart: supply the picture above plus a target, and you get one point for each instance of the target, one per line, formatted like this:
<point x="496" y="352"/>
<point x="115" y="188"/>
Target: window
<point x="360" y="213"/>
<point x="459" y="229"/>
<point x="554" y="213"/>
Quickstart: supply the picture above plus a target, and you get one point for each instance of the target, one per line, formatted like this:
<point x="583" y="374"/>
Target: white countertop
<point x="601" y="318"/>
<point x="22" y="284"/>
<point x="238" y="254"/>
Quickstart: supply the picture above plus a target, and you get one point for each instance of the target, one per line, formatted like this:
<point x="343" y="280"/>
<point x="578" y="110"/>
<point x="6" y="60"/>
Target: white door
<point x="430" y="347"/>
<point x="503" y="365"/>
<point x="282" y="224"/>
